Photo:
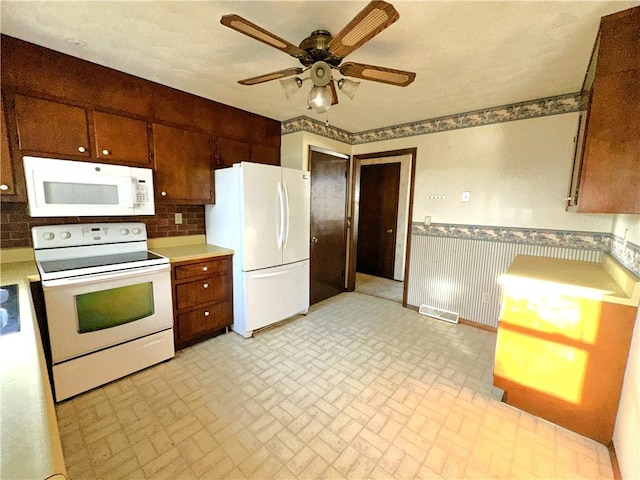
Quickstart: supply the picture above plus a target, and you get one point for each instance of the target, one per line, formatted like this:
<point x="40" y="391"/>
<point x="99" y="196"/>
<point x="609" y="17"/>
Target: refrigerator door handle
<point x="277" y="274"/>
<point x="280" y="222"/>
<point x="287" y="215"/>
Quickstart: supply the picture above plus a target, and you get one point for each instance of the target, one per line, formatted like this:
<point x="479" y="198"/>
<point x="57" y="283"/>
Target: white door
<point x="263" y="210"/>
<point x="297" y="190"/>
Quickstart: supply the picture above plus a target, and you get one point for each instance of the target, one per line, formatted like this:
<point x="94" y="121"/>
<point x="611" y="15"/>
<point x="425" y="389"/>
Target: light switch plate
<point x="466" y="196"/>
<point x="178" y="218"/>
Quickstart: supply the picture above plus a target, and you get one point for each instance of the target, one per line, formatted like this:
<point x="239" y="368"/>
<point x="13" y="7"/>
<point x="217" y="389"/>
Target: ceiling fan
<point x="321" y="52"/>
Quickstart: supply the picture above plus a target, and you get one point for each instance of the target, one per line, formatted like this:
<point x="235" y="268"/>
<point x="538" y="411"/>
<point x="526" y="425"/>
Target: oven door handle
<point x="98" y="277"/>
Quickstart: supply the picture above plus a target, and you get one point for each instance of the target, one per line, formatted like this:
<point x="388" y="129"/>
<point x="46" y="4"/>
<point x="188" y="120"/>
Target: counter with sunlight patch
<point x="563" y="340"/>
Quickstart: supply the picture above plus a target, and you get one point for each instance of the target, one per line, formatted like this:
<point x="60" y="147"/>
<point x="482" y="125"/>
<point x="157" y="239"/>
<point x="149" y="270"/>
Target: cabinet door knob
<point x="82" y="149"/>
<point x="206" y="314"/>
<point x="163" y="193"/>
<point x="205" y="268"/>
<point x="390" y="230"/>
<point x="106" y="152"/>
<point x="4" y="187"/>
<point x="205" y="285"/>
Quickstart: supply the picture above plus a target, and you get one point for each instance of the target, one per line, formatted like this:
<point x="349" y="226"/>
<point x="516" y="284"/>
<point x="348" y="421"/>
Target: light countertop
<point x="29" y="438"/>
<point x="182" y="253"/>
<point x="607" y="280"/>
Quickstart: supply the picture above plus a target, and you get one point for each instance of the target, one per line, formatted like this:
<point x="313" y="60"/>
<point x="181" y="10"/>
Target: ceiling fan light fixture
<point x="290" y="86"/>
<point x="320" y="99"/>
<point x="348" y="87"/>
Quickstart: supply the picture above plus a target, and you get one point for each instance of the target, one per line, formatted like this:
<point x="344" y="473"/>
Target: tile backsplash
<point x="16" y="222"/>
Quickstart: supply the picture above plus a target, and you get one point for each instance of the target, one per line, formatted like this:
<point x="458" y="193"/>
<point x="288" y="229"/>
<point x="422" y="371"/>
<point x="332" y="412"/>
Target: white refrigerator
<point x="262" y="212"/>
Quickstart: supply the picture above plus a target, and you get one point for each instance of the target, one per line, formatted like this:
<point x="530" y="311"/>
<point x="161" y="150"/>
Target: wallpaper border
<point x="628" y="255"/>
<point x="540" y="107"/>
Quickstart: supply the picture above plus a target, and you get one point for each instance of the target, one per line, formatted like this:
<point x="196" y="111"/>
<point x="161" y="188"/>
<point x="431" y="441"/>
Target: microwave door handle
<point x="98" y="277"/>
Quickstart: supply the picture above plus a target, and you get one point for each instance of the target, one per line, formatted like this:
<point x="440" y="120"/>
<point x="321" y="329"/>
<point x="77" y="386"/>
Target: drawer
<point x="197" y="292"/>
<point x="205" y="320"/>
<point x="205" y="267"/>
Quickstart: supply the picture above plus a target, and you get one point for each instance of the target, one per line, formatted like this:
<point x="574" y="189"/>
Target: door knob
<point x="390" y="230"/>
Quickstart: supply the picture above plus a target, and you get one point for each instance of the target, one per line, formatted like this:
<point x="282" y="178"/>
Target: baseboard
<point x="617" y="474"/>
<point x="471" y="323"/>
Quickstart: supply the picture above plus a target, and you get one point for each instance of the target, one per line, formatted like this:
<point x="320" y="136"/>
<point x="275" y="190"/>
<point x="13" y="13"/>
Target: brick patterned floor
<point x="359" y="388"/>
<point x="379" y="287"/>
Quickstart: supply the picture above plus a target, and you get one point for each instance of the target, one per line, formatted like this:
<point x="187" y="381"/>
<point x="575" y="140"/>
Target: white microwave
<point x="64" y="188"/>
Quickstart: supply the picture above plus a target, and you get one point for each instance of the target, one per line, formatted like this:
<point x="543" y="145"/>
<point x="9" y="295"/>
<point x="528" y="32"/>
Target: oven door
<point x="92" y="312"/>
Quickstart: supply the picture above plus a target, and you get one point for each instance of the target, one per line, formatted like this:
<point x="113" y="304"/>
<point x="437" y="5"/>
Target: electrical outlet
<point x="178" y="218"/>
<point x="486" y="297"/>
<point x="624" y="240"/>
<point x="427" y="220"/>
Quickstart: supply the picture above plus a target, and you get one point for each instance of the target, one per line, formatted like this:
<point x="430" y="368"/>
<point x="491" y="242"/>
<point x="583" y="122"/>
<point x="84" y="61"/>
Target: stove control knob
<point x="124" y="231"/>
<point x="136" y="231"/>
<point x="48" y="236"/>
<point x="65" y="235"/>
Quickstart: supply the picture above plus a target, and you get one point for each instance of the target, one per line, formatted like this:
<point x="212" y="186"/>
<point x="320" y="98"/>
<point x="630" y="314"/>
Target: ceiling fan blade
<point x="334" y="93"/>
<point x="374" y="18"/>
<point x="287" y="72"/>
<point x="377" y="74"/>
<point x="242" y="25"/>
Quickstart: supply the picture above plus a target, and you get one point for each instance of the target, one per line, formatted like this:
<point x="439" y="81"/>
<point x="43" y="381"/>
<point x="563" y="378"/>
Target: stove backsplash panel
<point x="16" y="225"/>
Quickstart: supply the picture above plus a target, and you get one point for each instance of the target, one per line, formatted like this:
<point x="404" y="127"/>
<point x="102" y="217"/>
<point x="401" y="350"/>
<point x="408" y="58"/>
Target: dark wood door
<point x="51" y="127"/>
<point x="121" y="139"/>
<point x="379" y="191"/>
<point x="183" y="167"/>
<point x="328" y="225"/>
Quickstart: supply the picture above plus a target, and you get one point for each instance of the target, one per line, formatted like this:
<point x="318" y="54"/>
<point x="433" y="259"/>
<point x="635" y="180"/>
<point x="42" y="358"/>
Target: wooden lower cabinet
<point x="202" y="298"/>
<point x="562" y="358"/>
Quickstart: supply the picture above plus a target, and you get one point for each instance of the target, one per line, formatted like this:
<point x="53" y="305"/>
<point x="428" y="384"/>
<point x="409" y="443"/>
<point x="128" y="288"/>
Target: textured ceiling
<point x="467" y="55"/>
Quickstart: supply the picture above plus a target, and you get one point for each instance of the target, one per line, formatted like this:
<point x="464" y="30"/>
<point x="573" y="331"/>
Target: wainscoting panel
<point x="455" y="273"/>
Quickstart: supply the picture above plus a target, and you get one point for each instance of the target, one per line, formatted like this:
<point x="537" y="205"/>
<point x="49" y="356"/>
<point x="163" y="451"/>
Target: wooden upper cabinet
<point x="48" y="127"/>
<point x="230" y="151"/>
<point x="265" y="130"/>
<point x="183" y="167"/>
<point x="121" y="139"/>
<point x="610" y="180"/>
<point x="265" y="154"/>
<point x="7" y="186"/>
<point x="608" y="156"/>
<point x="619" y="44"/>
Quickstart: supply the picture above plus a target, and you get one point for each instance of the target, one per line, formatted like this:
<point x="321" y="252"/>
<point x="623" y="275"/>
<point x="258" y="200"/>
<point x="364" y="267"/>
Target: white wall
<point x="626" y="436"/>
<point x="628" y="225"/>
<point x="517" y="172"/>
<point x="294" y="148"/>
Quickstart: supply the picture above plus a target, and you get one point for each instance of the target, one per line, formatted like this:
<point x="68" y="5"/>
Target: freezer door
<point x="297" y="192"/>
<point x="274" y="294"/>
<point x="263" y="212"/>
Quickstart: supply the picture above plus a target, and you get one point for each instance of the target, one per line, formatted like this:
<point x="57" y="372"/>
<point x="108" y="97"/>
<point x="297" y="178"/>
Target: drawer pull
<point x="105" y="152"/>
<point x="206" y="314"/>
<point x="205" y="285"/>
<point x="82" y="149"/>
<point x="205" y="268"/>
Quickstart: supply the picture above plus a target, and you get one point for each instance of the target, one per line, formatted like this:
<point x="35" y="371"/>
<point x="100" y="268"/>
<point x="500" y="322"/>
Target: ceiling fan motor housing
<point x="316" y="45"/>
